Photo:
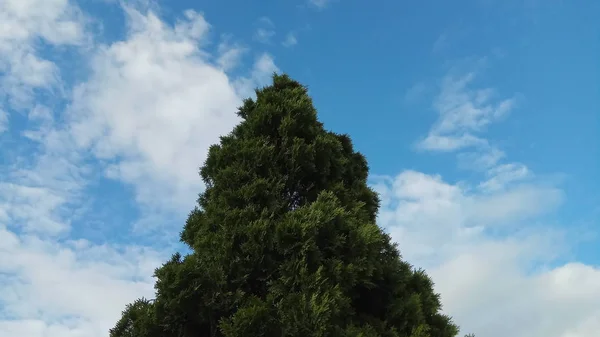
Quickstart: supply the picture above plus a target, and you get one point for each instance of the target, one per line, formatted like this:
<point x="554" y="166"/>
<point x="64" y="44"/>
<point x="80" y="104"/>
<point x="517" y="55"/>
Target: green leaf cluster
<point x="284" y="241"/>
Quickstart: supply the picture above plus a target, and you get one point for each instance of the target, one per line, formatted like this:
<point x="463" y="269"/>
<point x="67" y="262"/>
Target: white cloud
<point x="502" y="175"/>
<point x="35" y="188"/>
<point x="439" y="212"/>
<point x="70" y="289"/>
<point x="263" y="20"/>
<point x="290" y="40"/>
<point x="40" y="186"/>
<point x="482" y="160"/>
<point x="31" y="208"/>
<point x="50" y="287"/>
<point x="415" y="92"/>
<point x="488" y="245"/>
<point x="462" y="113"/>
<point x="152" y="105"/>
<point x="265" y="32"/>
<point x="452" y="143"/>
<point x="24" y="22"/>
<point x="263" y="35"/>
<point x="155" y="103"/>
<point x="320" y="4"/>
<point x="229" y="54"/>
<point x="486" y="280"/>
<point x="3" y="121"/>
<point x="264" y="66"/>
<point x="441" y="42"/>
<point x="56" y="21"/>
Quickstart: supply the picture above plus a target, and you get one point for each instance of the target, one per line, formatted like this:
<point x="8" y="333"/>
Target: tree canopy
<point x="284" y="241"/>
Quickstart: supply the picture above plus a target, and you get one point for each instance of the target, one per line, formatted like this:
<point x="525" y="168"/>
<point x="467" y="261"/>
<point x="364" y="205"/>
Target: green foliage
<point x="285" y="242"/>
<point x="138" y="320"/>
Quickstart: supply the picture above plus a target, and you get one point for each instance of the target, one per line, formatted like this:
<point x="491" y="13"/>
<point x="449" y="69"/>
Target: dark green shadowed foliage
<point x="285" y="242"/>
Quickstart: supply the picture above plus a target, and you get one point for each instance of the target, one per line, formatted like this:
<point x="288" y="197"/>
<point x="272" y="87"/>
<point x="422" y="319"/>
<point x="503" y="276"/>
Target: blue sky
<point x="480" y="121"/>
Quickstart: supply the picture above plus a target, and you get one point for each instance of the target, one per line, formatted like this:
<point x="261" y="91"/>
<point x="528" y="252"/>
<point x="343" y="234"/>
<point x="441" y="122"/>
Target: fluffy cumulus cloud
<point x="488" y="245"/>
<point x="156" y="101"/>
<point x="494" y="281"/>
<point x="152" y="106"/>
<point x="71" y="289"/>
<point x="144" y="117"/>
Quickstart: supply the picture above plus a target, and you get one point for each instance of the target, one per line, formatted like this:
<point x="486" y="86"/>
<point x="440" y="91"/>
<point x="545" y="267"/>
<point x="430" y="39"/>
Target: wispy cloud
<point x="264" y="66"/>
<point x="45" y="276"/>
<point x="480" y="161"/>
<point x="264" y="35"/>
<point x="489" y="244"/>
<point x="463" y="112"/>
<point x="441" y="42"/>
<point x="24" y="23"/>
<point x="320" y="4"/>
<point x="34" y="192"/>
<point x="449" y="39"/>
<point x="503" y="175"/>
<point x="265" y="31"/>
<point x="229" y="54"/>
<point x="3" y="121"/>
<point x="290" y="40"/>
<point x="415" y="92"/>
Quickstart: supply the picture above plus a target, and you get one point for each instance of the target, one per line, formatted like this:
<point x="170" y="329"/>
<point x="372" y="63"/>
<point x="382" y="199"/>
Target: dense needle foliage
<point x="285" y="242"/>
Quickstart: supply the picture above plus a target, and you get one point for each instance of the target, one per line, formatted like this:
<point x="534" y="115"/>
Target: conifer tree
<point x="284" y="241"/>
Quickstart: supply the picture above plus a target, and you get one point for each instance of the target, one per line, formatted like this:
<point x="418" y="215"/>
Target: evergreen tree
<point x="285" y="242"/>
